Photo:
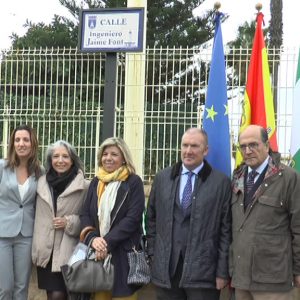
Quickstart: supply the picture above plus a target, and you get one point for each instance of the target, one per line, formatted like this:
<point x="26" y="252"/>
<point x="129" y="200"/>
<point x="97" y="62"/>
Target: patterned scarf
<point x="107" y="189"/>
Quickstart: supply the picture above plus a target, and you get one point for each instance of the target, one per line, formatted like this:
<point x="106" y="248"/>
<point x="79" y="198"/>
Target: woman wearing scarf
<point x="112" y="214"/>
<point x="60" y="196"/>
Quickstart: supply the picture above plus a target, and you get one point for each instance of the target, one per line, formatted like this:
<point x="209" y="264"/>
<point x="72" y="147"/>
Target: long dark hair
<point x="33" y="164"/>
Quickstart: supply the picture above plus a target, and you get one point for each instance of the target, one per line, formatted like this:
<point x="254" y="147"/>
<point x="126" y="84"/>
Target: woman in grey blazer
<point x="18" y="181"/>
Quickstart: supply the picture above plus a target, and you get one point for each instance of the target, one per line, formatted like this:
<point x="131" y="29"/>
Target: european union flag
<point x="215" y="120"/>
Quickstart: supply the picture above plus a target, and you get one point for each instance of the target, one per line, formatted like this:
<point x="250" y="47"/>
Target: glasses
<point x="250" y="146"/>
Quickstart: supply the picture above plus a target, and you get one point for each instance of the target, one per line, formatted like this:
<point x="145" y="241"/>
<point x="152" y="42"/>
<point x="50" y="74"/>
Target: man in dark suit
<point x="188" y="225"/>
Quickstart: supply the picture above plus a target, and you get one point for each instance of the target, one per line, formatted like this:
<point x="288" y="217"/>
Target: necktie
<point x="250" y="181"/>
<point x="187" y="192"/>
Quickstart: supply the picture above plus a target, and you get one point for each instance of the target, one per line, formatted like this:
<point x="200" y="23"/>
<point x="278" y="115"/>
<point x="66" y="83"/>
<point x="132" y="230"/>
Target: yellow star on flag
<point x="226" y="110"/>
<point x="211" y="113"/>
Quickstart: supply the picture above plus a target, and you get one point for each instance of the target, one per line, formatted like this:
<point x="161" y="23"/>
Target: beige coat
<point x="45" y="237"/>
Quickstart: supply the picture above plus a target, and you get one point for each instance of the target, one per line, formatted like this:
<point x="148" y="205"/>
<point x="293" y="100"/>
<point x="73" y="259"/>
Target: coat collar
<point x="203" y="174"/>
<point x="44" y="190"/>
<point x="274" y="166"/>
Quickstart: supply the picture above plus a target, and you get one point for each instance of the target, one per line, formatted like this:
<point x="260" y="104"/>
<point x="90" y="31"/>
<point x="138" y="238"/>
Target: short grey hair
<point x="71" y="150"/>
<point x="200" y="131"/>
<point x="119" y="143"/>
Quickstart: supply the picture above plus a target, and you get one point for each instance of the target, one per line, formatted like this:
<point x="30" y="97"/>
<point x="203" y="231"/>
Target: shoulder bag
<point x="139" y="270"/>
<point x="84" y="274"/>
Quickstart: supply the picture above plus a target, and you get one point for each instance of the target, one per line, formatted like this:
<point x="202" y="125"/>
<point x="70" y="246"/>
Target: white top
<point x="23" y="188"/>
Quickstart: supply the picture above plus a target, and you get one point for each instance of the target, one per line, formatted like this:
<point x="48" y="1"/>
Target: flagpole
<point x="258" y="105"/>
<point x="217" y="6"/>
<point x="215" y="118"/>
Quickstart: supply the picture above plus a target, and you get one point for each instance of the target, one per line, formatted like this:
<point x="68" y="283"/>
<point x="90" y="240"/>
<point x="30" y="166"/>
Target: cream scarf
<point x="107" y="190"/>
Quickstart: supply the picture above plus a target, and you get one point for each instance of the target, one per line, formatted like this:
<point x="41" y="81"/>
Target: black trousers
<point x="177" y="293"/>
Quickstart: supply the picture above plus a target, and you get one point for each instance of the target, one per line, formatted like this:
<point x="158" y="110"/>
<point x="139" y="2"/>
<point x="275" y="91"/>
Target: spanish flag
<point x="258" y="107"/>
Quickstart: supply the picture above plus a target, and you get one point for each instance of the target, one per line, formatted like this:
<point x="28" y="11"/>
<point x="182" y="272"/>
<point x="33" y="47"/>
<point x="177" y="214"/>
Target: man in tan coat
<point x="265" y="256"/>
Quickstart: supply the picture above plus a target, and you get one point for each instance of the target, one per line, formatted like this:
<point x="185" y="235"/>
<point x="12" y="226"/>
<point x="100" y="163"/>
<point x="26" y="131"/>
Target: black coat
<point x="209" y="234"/>
<point x="126" y="227"/>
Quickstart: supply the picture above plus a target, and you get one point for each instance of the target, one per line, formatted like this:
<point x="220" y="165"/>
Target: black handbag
<point x="139" y="270"/>
<point x="85" y="274"/>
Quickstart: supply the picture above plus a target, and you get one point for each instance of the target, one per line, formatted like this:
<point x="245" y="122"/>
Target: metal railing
<point x="60" y="93"/>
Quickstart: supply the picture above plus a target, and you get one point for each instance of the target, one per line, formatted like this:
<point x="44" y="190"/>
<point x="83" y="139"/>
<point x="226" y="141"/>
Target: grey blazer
<point x="16" y="216"/>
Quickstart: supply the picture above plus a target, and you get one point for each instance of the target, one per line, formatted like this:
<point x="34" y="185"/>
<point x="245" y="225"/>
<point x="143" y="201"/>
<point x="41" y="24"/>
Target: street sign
<point x="111" y="30"/>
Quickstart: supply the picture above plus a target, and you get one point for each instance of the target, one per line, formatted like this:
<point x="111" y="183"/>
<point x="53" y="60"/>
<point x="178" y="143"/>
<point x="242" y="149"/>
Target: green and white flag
<point x="295" y="137"/>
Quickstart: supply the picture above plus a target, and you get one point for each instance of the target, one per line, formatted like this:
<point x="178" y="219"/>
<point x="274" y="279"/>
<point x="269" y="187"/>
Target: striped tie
<point x="187" y="192"/>
<point x="250" y="181"/>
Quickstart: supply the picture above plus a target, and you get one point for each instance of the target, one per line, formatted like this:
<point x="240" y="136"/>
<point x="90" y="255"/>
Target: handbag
<point x="139" y="270"/>
<point x="84" y="274"/>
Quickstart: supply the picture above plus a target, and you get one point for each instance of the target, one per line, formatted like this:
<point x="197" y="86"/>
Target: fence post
<point x="135" y="98"/>
<point x="97" y="138"/>
<point x="5" y="132"/>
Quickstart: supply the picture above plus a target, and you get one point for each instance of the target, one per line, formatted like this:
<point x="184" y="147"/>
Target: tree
<point x="171" y="23"/>
<point x="240" y="52"/>
<point x="276" y="25"/>
<point x="275" y="41"/>
<point x="60" y="33"/>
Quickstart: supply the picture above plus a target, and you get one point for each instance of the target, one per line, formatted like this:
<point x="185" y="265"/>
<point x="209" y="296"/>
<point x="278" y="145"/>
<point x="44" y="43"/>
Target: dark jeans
<point x="177" y="293"/>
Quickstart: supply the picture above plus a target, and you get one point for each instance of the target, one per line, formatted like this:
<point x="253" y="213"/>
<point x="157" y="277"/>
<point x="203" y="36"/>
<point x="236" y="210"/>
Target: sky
<point x="240" y="11"/>
<point x="13" y="15"/>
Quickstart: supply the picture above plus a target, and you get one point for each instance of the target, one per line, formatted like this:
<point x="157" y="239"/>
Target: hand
<point x="101" y="254"/>
<point x="59" y="222"/>
<point x="221" y="283"/>
<point x="297" y="281"/>
<point x="99" y="244"/>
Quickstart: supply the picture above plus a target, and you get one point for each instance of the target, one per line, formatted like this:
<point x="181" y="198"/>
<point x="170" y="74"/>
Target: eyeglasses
<point x="251" y="146"/>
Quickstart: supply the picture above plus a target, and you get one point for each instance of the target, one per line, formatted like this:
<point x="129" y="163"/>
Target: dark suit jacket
<point x="207" y="235"/>
<point x="126" y="227"/>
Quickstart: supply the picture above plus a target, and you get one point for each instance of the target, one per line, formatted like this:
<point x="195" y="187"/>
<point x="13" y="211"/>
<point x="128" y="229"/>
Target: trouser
<point x="108" y="296"/>
<point x="15" y="255"/>
<point x="249" y="295"/>
<point x="177" y="293"/>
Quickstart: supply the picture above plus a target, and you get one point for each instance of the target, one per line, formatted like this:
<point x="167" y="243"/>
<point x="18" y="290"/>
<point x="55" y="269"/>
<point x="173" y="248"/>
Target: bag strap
<point x="141" y="245"/>
<point x="89" y="246"/>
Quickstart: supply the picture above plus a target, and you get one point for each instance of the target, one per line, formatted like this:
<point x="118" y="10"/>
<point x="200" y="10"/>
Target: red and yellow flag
<point x="258" y="107"/>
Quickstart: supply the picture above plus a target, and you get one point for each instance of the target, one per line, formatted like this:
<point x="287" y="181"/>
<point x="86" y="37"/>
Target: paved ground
<point x="146" y="293"/>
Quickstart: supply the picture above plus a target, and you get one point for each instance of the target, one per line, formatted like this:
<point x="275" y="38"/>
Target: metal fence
<point x="60" y="93"/>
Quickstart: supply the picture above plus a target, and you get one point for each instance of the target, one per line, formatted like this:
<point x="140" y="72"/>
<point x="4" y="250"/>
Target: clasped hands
<point x="100" y="247"/>
<point x="59" y="222"/>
